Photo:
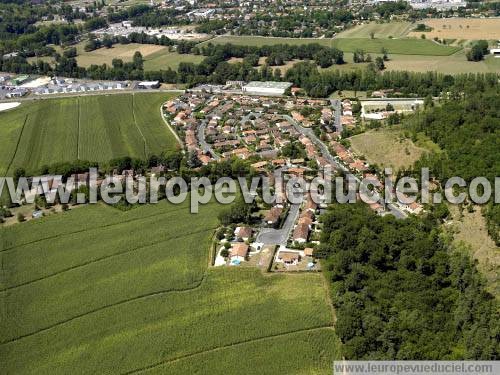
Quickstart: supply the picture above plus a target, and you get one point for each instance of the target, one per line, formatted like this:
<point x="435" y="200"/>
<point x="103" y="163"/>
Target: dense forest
<point x="467" y="129"/>
<point x="402" y="292"/>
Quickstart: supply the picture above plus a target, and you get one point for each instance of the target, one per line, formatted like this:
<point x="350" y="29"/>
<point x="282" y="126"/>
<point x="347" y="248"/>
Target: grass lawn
<point x="381" y="30"/>
<point x="348" y="94"/>
<point x="103" y="291"/>
<point x="163" y="59"/>
<point x="395" y="46"/>
<point x="96" y="128"/>
<point x="261" y="41"/>
<point x="387" y="148"/>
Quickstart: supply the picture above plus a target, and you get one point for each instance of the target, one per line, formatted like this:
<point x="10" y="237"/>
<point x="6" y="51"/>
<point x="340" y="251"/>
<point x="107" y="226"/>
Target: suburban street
<point x="203" y="143"/>
<point x="393" y="209"/>
<point x="337" y="107"/>
<point x="270" y="236"/>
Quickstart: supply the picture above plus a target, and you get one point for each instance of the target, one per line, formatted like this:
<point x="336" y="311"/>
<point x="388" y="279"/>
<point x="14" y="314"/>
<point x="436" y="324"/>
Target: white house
<point x="149" y="85"/>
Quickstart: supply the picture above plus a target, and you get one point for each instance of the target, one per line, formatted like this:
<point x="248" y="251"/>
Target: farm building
<point x="266" y="88"/>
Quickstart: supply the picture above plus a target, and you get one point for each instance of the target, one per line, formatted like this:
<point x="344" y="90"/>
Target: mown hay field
<point x="155" y="57"/>
<point x="95" y="128"/>
<point x="462" y="28"/>
<point x="107" y="291"/>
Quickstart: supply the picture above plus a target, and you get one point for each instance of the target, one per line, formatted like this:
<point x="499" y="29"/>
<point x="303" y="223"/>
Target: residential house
<point x="239" y="251"/>
<point x="273" y="216"/>
<point x="243" y="233"/>
<point x="288" y="257"/>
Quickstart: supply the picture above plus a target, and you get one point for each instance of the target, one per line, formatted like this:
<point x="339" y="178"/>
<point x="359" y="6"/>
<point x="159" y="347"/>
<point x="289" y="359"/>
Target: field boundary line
<point x="97" y="260"/>
<point x="17" y="144"/>
<point x="137" y="126"/>
<point x="90" y="229"/>
<point x="170" y="128"/>
<point x="228" y="346"/>
<point x="197" y="285"/>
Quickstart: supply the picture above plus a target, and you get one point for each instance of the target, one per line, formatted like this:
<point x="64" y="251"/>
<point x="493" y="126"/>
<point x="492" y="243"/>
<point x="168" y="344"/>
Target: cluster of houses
<point x="222" y="126"/>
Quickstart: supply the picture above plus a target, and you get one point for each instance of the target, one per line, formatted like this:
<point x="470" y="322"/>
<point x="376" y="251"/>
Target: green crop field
<point x="407" y="46"/>
<point x="100" y="290"/>
<point x="380" y="30"/>
<point x="95" y="128"/>
<point x="262" y="41"/>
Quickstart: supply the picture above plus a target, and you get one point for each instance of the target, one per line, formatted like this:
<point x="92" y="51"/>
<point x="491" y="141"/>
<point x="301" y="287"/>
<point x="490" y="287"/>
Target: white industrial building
<point x="149" y="85"/>
<point x="270" y="88"/>
<point x="495" y="52"/>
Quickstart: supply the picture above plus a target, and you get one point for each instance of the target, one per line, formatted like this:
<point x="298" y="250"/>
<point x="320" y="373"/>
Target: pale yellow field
<point x="462" y="28"/>
<point x="386" y="148"/>
<point x="453" y="64"/>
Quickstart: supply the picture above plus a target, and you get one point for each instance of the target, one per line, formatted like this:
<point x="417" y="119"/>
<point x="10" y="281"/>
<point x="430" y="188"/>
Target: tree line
<point x="467" y="129"/>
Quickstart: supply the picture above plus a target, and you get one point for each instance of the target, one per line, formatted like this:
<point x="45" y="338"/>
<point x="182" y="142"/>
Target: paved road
<point x="337" y="107"/>
<point x="203" y="143"/>
<point x="270" y="236"/>
<point x="323" y="148"/>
